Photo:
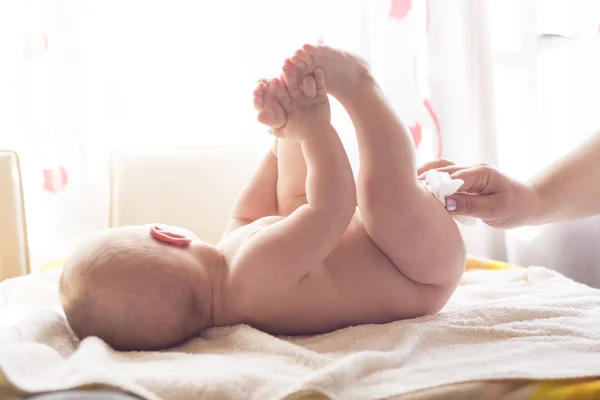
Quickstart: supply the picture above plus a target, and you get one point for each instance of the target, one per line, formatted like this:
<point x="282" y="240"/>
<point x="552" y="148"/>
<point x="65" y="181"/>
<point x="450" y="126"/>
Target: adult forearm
<point x="570" y="188"/>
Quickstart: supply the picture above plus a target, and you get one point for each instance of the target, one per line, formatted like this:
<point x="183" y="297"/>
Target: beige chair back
<point x="14" y="252"/>
<point x="191" y="188"/>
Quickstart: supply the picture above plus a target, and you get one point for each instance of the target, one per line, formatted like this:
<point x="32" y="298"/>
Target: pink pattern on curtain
<point x="36" y="46"/>
<point x="36" y="50"/>
<point x="399" y="10"/>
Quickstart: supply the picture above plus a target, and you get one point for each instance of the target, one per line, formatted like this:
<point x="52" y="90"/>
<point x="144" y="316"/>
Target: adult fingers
<point x="449" y="170"/>
<point x="481" y="179"/>
<point x="483" y="207"/>
<point x="435" y="164"/>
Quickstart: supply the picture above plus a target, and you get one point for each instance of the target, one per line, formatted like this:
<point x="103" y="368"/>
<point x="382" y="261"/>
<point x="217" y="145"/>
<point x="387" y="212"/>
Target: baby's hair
<point x="131" y="291"/>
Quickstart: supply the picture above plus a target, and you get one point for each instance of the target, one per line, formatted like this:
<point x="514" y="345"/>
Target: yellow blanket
<point x="566" y="389"/>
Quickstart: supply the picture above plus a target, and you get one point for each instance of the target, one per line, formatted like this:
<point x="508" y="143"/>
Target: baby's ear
<point x="167" y="234"/>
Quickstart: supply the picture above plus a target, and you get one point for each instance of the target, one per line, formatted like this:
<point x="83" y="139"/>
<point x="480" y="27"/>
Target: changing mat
<point x="529" y="323"/>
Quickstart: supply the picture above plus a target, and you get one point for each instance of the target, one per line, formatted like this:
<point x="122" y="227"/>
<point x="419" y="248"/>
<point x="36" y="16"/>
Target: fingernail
<point x="450" y="204"/>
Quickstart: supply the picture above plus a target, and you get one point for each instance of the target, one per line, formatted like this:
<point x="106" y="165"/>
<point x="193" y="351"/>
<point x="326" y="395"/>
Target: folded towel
<point x="441" y="185"/>
<point x="518" y="323"/>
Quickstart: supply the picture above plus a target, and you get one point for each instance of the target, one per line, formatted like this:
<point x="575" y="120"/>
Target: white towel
<point x="441" y="185"/>
<point x="520" y="323"/>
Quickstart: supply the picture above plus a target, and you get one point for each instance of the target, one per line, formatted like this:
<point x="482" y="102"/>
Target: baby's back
<point x="356" y="284"/>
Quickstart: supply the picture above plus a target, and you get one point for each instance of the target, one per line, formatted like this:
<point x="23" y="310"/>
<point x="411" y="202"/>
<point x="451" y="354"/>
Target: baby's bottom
<point x="406" y="222"/>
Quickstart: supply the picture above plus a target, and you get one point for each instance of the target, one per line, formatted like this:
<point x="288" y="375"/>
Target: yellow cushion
<point x="482" y="263"/>
<point x="57" y="263"/>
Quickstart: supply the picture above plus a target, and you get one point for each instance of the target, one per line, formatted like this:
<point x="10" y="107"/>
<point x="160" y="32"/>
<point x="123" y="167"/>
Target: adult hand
<point x="487" y="194"/>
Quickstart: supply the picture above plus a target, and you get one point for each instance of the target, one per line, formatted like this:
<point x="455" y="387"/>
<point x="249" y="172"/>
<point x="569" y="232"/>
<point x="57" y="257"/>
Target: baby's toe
<point x="298" y="62"/>
<point x="261" y="85"/>
<point x="258" y="102"/>
<point x="290" y="74"/>
<point x="304" y="56"/>
<point x="309" y="48"/>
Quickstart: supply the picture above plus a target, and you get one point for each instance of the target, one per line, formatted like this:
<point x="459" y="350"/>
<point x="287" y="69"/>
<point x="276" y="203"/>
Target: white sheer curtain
<point x="517" y="86"/>
<point x="81" y="78"/>
<point x="547" y="97"/>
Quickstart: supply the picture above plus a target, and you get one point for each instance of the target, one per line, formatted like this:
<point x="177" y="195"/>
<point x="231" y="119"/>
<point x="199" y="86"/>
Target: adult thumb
<point x="482" y="207"/>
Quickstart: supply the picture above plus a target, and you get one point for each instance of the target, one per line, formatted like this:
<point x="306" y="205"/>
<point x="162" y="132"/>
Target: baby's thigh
<point x="419" y="237"/>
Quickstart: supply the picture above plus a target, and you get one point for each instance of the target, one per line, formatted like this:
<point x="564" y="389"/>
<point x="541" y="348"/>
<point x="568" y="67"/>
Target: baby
<point x="307" y="249"/>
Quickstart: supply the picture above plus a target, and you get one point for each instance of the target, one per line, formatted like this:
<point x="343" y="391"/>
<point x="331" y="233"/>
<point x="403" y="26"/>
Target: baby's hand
<point x="293" y="107"/>
<point x="305" y="104"/>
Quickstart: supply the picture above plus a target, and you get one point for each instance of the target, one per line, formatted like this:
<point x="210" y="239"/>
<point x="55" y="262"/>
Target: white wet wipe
<point x="441" y="185"/>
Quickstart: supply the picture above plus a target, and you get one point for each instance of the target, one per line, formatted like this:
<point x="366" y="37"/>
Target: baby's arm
<point x="259" y="198"/>
<point x="283" y="253"/>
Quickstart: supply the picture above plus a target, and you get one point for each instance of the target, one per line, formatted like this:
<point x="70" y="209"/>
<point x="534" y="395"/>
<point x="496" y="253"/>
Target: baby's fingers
<point x="320" y="81"/>
<point x="290" y="75"/>
<point x="309" y="87"/>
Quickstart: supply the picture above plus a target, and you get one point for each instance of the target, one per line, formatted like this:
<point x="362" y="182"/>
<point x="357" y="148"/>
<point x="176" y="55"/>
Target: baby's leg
<point x="259" y="197"/>
<point x="406" y="222"/>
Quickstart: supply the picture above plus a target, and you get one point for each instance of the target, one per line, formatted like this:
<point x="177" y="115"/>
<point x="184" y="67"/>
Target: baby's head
<point x="140" y="287"/>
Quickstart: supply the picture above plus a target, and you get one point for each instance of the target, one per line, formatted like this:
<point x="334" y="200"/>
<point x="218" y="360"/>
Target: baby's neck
<point x="213" y="264"/>
<point x="220" y="312"/>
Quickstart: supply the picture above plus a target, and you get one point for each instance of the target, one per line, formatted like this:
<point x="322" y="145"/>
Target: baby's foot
<point x="270" y="110"/>
<point x="343" y="70"/>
